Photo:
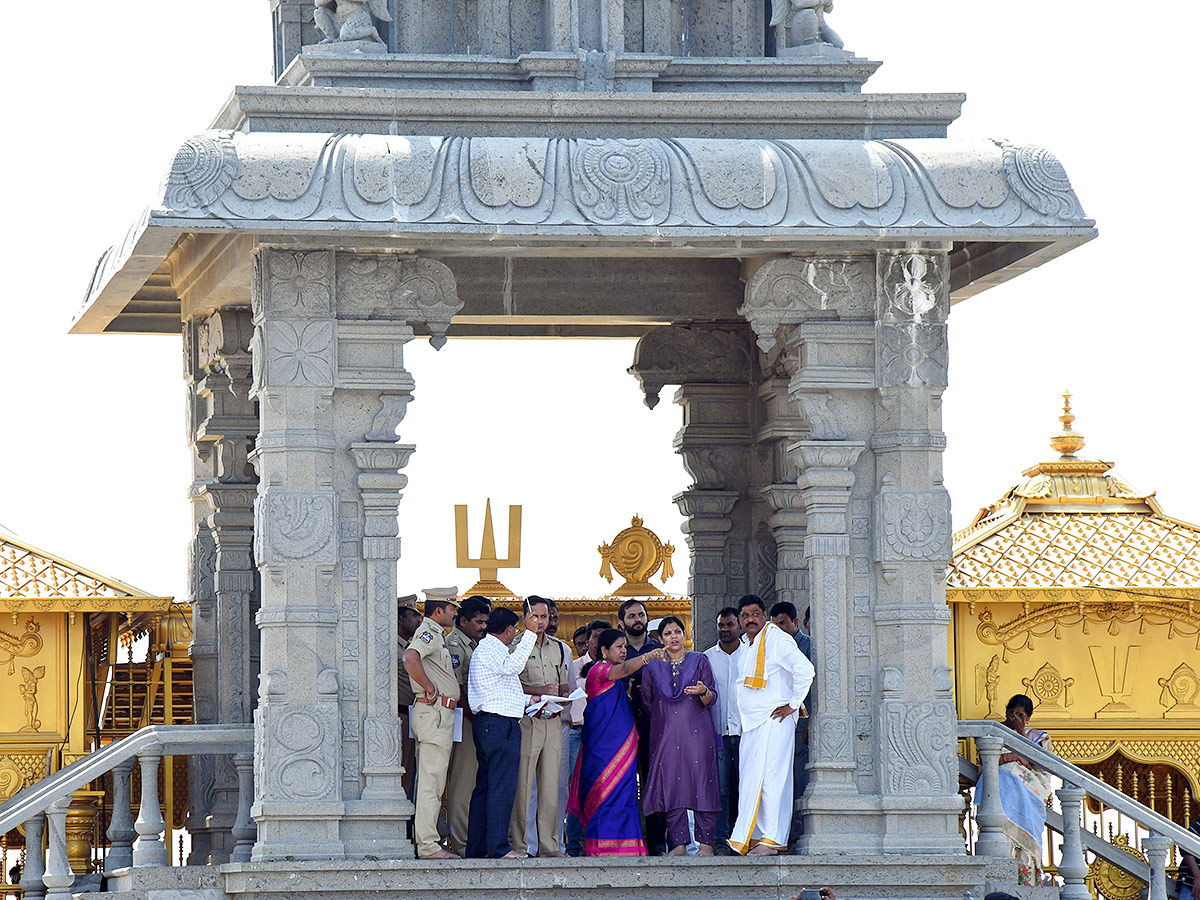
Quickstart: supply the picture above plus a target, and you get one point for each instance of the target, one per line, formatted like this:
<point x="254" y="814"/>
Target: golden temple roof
<point x="1074" y="523"/>
<point x="31" y="578"/>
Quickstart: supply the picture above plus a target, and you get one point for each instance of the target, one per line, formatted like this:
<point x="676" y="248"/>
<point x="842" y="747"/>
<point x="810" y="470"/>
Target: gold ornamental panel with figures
<point x="1086" y="658"/>
<point x="33" y="678"/>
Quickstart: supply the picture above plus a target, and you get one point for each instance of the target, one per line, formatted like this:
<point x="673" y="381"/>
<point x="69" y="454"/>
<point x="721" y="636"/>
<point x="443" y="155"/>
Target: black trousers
<point x="498" y="750"/>
<point x="655" y="823"/>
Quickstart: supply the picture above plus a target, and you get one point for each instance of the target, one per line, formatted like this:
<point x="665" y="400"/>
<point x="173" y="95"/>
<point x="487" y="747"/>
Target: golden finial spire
<point x="1068" y="441"/>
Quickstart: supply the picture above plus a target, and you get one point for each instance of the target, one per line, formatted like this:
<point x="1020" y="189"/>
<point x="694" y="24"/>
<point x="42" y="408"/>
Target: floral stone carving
<point x="621" y="180"/>
<point x="296" y="527"/>
<point x="914" y="525"/>
<point x="203" y="167"/>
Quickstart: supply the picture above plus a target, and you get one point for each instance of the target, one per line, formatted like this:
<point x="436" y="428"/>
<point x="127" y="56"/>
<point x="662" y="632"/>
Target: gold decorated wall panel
<point x="1111" y="664"/>
<point x="34" y="677"/>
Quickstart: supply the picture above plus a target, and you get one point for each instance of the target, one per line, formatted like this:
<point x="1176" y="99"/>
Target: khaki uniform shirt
<point x="549" y="663"/>
<point x="430" y="643"/>
<point x="404" y="691"/>
<point x="461" y="647"/>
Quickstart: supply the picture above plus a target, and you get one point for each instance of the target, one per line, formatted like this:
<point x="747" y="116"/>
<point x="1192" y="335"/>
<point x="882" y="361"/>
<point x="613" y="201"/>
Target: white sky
<point x="92" y="449"/>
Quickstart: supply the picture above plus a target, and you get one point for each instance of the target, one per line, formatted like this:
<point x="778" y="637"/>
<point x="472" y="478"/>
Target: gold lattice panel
<point x="26" y="573"/>
<point x="1083" y="549"/>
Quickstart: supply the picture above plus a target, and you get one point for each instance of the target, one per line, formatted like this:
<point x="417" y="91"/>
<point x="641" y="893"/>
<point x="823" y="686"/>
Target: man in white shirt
<point x="722" y="656"/>
<point x="496" y="697"/>
<point x="773" y="680"/>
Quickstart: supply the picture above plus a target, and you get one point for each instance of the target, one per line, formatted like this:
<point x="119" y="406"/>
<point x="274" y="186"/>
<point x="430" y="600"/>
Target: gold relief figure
<point x="1179" y="692"/>
<point x="636" y="553"/>
<point x="28" y="689"/>
<point x="27" y="644"/>
<point x="986" y="681"/>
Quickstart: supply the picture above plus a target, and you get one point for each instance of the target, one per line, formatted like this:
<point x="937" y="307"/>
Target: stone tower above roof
<point x="565" y="45"/>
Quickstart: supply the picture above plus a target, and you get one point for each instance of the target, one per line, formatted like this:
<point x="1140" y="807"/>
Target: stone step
<point x="659" y="878"/>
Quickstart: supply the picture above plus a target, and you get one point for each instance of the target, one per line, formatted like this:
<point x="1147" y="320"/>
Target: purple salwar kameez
<point x="683" y="742"/>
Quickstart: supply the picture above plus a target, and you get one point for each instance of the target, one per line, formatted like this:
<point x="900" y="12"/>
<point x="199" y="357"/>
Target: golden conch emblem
<point x="636" y="553"/>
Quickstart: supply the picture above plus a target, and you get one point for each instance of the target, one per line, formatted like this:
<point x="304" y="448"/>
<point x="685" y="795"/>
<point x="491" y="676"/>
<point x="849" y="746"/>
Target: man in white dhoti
<point x="773" y="680"/>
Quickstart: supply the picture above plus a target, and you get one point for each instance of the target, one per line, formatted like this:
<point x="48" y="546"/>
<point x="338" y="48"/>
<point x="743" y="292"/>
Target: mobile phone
<point x="810" y="894"/>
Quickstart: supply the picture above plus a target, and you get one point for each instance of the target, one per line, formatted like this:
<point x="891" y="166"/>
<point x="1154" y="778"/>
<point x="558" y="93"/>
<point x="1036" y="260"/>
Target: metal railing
<point x="992" y="738"/>
<point x="43" y="806"/>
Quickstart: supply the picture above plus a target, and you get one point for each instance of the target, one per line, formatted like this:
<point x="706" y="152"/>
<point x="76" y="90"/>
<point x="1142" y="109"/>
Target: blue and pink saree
<point x="604" y="790"/>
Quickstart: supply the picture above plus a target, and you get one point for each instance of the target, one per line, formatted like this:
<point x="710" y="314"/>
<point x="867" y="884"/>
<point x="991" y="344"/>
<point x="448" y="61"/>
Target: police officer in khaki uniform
<point x="469" y="626"/>
<point x="407" y="623"/>
<point x="546" y="672"/>
<point x="432" y="673"/>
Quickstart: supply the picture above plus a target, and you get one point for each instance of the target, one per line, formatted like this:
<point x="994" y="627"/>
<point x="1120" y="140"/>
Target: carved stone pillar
<point x="223" y="424"/>
<point x="825" y="484"/>
<point x="862" y="341"/>
<point x="713" y="367"/>
<point x="329" y="375"/>
<point x="784" y="527"/>
<point x="917" y="731"/>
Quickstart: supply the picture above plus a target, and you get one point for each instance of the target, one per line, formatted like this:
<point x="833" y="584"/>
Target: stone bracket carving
<point x="790" y="290"/>
<point x="408" y="289"/>
<point x="685" y="354"/>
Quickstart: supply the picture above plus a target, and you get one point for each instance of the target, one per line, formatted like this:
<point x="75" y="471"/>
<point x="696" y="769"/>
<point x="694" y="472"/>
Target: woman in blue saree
<point x="604" y="790"/>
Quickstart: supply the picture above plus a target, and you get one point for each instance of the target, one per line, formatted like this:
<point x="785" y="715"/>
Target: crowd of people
<point x="621" y="743"/>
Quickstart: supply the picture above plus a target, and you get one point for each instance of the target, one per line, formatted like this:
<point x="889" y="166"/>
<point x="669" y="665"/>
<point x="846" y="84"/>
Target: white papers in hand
<point x="551" y="704"/>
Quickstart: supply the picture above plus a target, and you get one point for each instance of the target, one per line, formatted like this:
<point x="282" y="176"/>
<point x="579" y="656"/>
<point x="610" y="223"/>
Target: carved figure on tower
<point x="350" y="20"/>
<point x="801" y="22"/>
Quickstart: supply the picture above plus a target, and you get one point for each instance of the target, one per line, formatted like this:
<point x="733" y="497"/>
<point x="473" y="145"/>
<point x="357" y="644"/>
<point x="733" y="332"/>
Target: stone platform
<point x="659" y="878"/>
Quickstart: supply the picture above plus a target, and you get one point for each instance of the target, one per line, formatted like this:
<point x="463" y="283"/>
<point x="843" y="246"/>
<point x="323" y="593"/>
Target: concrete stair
<point x="659" y="878"/>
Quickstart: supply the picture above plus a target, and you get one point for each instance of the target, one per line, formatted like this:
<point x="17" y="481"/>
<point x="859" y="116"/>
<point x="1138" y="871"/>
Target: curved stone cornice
<point x="681" y="196"/>
<point x="617" y="183"/>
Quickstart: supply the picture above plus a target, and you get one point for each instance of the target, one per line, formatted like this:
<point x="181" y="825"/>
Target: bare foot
<point x="442" y="854"/>
<point x="681" y="850"/>
<point x="763" y="850"/>
<point x="705" y="850"/>
<point x="515" y="854"/>
<point x="553" y="854"/>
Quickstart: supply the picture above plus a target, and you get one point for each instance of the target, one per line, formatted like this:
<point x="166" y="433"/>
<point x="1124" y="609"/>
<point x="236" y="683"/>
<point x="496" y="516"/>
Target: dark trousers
<point x="727" y="776"/>
<point x="574" y="826"/>
<point x="799" y="777"/>
<point x="498" y="750"/>
<point x="655" y="829"/>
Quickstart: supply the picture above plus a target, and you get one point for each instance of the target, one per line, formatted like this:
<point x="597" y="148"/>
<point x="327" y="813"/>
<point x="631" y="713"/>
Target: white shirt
<point x="788" y="673"/>
<point x="494" y="683"/>
<point x="575" y="711"/>
<point x="725" y="671"/>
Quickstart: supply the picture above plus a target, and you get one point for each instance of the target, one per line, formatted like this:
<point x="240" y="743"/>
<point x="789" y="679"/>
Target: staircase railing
<point x="992" y="738"/>
<point x="131" y="842"/>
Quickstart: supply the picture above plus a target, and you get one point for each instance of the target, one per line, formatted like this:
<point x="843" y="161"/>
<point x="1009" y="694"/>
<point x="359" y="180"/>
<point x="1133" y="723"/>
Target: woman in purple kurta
<point x="677" y="692"/>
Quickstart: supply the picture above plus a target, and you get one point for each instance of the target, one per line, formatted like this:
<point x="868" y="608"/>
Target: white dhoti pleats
<point x="765" y="786"/>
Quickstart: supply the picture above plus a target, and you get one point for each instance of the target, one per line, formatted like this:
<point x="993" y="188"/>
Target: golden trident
<point x="488" y="564"/>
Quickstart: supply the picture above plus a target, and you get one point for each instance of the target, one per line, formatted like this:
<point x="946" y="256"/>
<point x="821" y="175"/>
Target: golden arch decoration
<point x="1018" y="633"/>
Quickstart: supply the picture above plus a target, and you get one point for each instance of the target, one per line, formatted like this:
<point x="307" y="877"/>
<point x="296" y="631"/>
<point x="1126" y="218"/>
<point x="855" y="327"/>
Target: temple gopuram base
<point x="601" y="878"/>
